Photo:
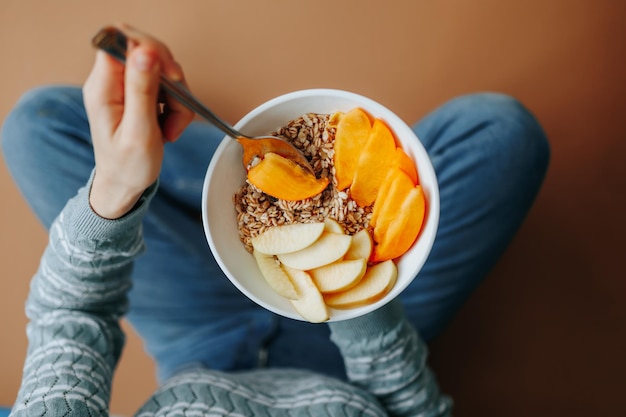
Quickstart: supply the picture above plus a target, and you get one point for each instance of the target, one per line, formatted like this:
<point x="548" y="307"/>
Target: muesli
<point x="314" y="135"/>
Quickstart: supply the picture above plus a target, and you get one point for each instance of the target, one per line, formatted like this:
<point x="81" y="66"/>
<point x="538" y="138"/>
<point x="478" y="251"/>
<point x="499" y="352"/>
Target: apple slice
<point x="361" y="246"/>
<point x="275" y="275"/>
<point x="329" y="248"/>
<point x="339" y="275"/>
<point x="287" y="238"/>
<point x="377" y="282"/>
<point x="333" y="226"/>
<point x="310" y="303"/>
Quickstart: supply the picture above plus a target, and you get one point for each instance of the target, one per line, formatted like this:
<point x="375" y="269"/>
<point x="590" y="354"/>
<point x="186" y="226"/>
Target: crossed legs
<point x="490" y="156"/>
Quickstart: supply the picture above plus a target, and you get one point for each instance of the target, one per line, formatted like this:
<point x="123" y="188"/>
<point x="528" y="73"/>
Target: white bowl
<point x="226" y="174"/>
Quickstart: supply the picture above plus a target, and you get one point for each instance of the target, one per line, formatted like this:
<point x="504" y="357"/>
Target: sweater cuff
<point x="88" y="224"/>
<point x="375" y="324"/>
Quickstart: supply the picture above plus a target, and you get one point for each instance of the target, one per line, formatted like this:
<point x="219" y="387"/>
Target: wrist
<point x="111" y="200"/>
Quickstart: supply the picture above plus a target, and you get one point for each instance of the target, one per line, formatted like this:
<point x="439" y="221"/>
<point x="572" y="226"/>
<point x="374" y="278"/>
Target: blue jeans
<point x="490" y="155"/>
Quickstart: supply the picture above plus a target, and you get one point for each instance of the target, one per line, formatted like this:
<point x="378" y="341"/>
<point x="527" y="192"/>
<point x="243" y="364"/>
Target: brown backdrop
<point x="545" y="334"/>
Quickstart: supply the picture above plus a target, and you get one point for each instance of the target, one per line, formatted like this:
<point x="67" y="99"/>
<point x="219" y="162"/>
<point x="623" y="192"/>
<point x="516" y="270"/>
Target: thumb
<point x="141" y="85"/>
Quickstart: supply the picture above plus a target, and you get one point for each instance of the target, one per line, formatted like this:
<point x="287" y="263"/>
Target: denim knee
<point x="37" y="110"/>
<point x="29" y="128"/>
<point x="46" y="147"/>
<point x="507" y="117"/>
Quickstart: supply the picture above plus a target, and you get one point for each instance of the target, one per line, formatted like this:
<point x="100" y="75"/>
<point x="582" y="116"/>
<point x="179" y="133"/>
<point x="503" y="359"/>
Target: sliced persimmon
<point x="404" y="229"/>
<point x="387" y="206"/>
<point x="353" y="131"/>
<point x="374" y="162"/>
<point x="334" y="119"/>
<point x="406" y="164"/>
<point x="282" y="178"/>
<point x="381" y="198"/>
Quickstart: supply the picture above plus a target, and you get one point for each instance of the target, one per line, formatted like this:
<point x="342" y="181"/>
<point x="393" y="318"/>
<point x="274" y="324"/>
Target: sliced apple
<point x="287" y="238"/>
<point x="339" y="275"/>
<point x="310" y="303"/>
<point x="374" y="285"/>
<point x="332" y="225"/>
<point x="275" y="276"/>
<point x="329" y="248"/>
<point x="361" y="246"/>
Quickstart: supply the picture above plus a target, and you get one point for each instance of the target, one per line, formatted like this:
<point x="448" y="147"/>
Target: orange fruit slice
<point x="387" y="205"/>
<point x="353" y="131"/>
<point x="406" y="164"/>
<point x="374" y="162"/>
<point x="282" y="178"/>
<point x="404" y="229"/>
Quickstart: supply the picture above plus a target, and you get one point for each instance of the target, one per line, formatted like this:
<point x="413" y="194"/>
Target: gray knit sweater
<point x="78" y="296"/>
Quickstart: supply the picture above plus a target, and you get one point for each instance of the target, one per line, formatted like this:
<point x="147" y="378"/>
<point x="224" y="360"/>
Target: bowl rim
<point x="433" y="206"/>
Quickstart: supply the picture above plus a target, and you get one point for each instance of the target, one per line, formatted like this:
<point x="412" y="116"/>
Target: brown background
<point x="545" y="334"/>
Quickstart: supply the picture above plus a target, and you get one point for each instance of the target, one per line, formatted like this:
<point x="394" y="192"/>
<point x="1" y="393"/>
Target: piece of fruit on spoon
<point x="261" y="146"/>
<point x="284" y="179"/>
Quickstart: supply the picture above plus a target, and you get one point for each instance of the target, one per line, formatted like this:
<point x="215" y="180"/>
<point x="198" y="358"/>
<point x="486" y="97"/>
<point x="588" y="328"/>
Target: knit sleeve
<point x="76" y="299"/>
<point x="384" y="355"/>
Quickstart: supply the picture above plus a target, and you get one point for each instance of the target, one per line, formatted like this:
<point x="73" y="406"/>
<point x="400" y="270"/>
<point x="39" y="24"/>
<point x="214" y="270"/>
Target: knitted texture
<point x="79" y="294"/>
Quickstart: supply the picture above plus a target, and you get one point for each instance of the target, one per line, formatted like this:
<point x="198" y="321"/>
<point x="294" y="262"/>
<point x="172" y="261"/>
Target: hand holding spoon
<point x="114" y="42"/>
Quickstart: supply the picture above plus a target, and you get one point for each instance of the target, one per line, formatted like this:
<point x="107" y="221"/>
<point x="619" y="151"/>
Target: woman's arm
<point x="76" y="299"/>
<point x="385" y="356"/>
<point x="79" y="292"/>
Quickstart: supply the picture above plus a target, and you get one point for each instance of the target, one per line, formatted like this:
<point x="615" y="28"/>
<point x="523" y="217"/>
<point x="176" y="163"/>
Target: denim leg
<point x="490" y="156"/>
<point x="182" y="305"/>
<point x="47" y="148"/>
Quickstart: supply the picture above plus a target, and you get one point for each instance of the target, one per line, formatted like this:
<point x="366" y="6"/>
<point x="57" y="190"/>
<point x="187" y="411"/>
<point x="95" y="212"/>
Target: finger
<point x="174" y="122"/>
<point x="173" y="104"/>
<point x="169" y="67"/>
<point x="103" y="91"/>
<point x="177" y="116"/>
<point x="141" y="86"/>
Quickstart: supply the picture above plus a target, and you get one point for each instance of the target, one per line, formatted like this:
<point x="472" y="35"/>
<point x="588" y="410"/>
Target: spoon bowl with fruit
<point x="337" y="247"/>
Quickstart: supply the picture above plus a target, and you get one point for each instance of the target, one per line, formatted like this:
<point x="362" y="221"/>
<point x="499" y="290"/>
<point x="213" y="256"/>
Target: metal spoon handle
<point x="114" y="42"/>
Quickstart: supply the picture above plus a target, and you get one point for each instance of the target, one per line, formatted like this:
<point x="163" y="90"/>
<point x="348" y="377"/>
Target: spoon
<point x="113" y="41"/>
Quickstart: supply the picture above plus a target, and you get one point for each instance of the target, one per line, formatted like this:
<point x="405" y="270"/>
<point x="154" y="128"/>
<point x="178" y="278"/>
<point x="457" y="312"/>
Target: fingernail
<point x="176" y="73"/>
<point x="144" y="61"/>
